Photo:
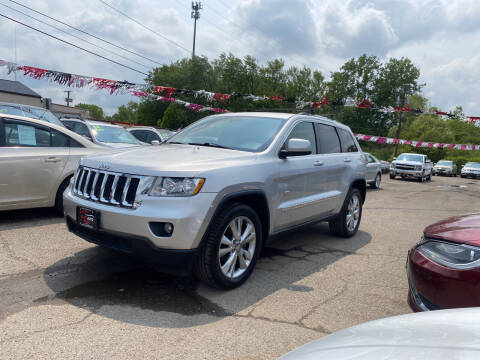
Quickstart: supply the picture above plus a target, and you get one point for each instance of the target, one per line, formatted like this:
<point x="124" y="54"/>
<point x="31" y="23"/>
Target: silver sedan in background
<point x="37" y="160"/>
<point x="445" y="167"/>
<point x="374" y="171"/>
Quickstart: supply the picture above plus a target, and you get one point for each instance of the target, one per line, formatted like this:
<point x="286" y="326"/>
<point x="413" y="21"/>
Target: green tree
<point x="177" y="116"/>
<point x="126" y="113"/>
<point x="95" y="112"/>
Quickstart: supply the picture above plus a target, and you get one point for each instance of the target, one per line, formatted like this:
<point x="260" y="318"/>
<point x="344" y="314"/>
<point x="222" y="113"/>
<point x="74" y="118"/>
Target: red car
<point x="443" y="269"/>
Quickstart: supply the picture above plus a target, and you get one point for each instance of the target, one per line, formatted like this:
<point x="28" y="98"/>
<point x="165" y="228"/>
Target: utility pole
<point x="403" y="98"/>
<point x="196" y="7"/>
<point x="67" y="99"/>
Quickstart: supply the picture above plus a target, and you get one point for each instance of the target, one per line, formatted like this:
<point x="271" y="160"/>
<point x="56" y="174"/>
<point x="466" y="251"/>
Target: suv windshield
<point x="245" y="133"/>
<point x="112" y="134"/>
<point x="31" y="112"/>
<point x="410" y="157"/>
<point x="445" y="163"/>
<point x="473" y="165"/>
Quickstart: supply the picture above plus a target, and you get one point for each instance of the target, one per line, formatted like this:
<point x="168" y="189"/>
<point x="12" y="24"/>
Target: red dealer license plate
<point x="88" y="218"/>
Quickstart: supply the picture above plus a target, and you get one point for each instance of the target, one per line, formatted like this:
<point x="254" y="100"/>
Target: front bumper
<point x="178" y="262"/>
<point x="434" y="287"/>
<point x="470" y="174"/>
<point x="443" y="171"/>
<point x="403" y="172"/>
<point x="189" y="215"/>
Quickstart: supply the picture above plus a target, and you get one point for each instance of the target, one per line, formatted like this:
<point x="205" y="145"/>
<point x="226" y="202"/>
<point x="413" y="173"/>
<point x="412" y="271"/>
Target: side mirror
<point x="394" y="158"/>
<point x="155" y="142"/>
<point x="296" y="147"/>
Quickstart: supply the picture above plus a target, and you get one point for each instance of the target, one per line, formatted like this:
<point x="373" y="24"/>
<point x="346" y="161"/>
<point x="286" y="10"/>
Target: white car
<point x="442" y="334"/>
<point x="102" y="133"/>
<point x="37" y="160"/>
<point x="149" y="134"/>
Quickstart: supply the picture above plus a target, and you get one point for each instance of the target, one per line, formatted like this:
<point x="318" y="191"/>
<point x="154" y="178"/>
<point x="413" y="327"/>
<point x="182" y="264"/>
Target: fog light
<point x="161" y="229"/>
<point x="168" y="228"/>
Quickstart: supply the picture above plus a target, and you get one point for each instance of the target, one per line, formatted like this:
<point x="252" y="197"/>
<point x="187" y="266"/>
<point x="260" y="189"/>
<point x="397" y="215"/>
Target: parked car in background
<point x="446" y="334"/>
<point x="209" y="198"/>
<point x="445" y="167"/>
<point x="374" y="171"/>
<point x="33" y="112"/>
<point x="471" y="169"/>
<point x="37" y="160"/>
<point x="412" y="165"/>
<point x="443" y="269"/>
<point x="147" y="134"/>
<point x="101" y="133"/>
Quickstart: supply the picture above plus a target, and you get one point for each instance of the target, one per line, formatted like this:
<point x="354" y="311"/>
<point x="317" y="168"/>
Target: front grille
<point x="106" y="187"/>
<point x="405" y="167"/>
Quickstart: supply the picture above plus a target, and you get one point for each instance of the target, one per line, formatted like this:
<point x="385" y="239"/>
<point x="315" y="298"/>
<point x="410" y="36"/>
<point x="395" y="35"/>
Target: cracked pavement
<point x="63" y="297"/>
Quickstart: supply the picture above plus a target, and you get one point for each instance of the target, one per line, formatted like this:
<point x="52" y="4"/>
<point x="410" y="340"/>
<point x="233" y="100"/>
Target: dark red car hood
<point x="462" y="229"/>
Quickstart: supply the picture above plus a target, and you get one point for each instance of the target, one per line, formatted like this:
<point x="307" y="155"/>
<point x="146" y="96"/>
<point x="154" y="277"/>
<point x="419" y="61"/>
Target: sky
<point x="440" y="37"/>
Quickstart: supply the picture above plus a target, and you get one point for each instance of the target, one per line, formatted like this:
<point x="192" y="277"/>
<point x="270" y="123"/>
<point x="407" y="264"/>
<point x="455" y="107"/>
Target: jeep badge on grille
<point x="103" y="166"/>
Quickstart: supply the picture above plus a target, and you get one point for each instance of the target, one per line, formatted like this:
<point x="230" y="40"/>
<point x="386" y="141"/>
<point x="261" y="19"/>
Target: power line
<point x="87" y="33"/>
<point x="76" y="46"/>
<point x="77" y="37"/>
<point x="145" y="27"/>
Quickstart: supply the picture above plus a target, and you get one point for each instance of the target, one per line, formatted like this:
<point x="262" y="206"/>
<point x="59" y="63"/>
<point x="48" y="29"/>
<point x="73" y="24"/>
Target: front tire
<point x="392" y="176"/>
<point x="347" y="223"/>
<point x="231" y="248"/>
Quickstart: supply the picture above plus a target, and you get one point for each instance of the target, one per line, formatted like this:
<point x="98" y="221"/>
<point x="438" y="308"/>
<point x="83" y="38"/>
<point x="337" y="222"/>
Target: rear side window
<point x="328" y="141"/>
<point x="81" y="129"/>
<point x="346" y="139"/>
<point x="140" y="135"/>
<point x="152" y="136"/>
<point x="26" y="135"/>
<point x="304" y="130"/>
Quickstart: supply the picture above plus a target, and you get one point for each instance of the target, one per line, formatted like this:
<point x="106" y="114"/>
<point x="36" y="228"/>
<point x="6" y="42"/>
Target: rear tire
<point x="59" y="197"/>
<point x="376" y="183"/>
<point x="222" y="247"/>
<point x="347" y="222"/>
<point x="392" y="176"/>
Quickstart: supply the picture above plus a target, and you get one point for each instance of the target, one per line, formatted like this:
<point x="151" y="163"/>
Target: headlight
<point x="451" y="255"/>
<point x="174" y="186"/>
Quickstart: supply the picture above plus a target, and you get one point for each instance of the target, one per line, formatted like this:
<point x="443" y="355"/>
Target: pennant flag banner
<point x="165" y="92"/>
<point x="414" y="143"/>
<point x="72" y="80"/>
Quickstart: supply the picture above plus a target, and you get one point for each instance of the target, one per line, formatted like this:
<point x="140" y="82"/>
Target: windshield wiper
<point x="209" y="144"/>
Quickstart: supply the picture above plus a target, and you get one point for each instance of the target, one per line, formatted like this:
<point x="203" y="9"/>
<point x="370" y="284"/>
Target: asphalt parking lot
<point x="61" y="297"/>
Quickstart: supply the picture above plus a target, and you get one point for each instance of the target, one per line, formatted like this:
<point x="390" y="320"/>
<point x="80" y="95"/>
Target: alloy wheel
<point x="353" y="213"/>
<point x="237" y="247"/>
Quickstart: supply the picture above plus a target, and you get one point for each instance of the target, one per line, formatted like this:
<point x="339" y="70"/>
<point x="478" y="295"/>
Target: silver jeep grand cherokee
<point x="209" y="198"/>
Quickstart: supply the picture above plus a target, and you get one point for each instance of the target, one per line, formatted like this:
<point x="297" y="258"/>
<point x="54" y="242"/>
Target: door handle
<point x="53" y="159"/>
<point x="347" y="160"/>
<point x="318" y="163"/>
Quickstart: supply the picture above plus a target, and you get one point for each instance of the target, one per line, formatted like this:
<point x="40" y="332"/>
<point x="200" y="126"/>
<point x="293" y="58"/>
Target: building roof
<point x="16" y="87"/>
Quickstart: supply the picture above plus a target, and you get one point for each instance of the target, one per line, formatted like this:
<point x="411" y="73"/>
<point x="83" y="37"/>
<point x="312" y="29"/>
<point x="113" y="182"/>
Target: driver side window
<point x="304" y="130"/>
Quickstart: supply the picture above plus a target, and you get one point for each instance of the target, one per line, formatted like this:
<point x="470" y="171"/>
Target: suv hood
<point x="461" y="229"/>
<point x="156" y="160"/>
